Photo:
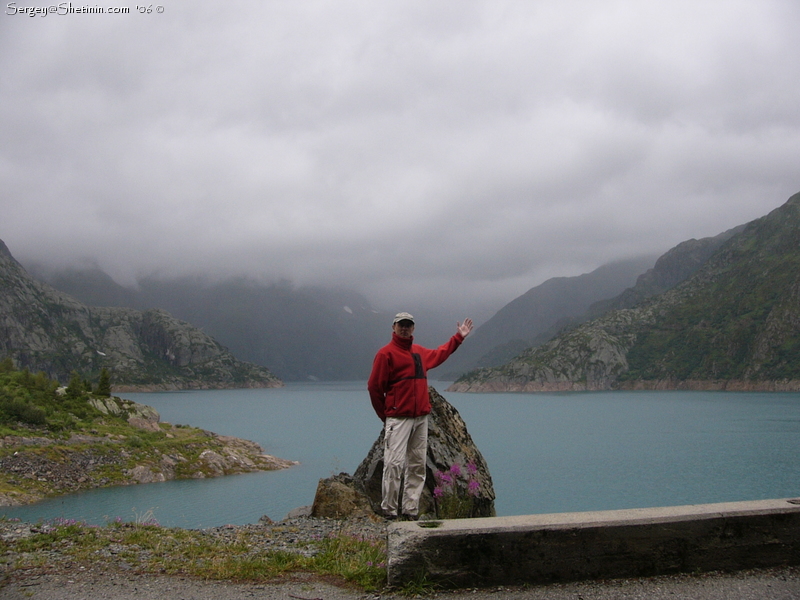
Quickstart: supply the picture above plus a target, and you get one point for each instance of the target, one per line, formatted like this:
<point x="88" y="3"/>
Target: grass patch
<point x="240" y="556"/>
<point x="357" y="560"/>
<point x="418" y="586"/>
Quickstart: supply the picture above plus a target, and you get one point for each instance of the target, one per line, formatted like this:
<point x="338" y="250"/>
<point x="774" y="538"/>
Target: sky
<point x="416" y="151"/>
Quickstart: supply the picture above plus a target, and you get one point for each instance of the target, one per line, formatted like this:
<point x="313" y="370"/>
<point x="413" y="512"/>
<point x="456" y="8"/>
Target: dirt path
<point x="86" y="584"/>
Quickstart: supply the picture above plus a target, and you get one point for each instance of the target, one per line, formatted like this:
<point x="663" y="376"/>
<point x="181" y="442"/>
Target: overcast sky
<point x="462" y="151"/>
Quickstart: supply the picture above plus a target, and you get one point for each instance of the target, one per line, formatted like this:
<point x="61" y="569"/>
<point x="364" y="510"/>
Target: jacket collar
<point x="404" y="343"/>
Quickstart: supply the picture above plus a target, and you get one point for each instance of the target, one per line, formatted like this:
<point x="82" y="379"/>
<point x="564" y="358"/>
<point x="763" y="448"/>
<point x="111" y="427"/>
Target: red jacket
<point x="398" y="385"/>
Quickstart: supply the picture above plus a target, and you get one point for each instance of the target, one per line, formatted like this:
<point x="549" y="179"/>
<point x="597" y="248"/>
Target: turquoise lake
<point x="546" y="452"/>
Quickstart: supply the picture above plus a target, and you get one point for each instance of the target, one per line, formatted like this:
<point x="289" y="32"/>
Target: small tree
<point x="104" y="384"/>
<point x="75" y="387"/>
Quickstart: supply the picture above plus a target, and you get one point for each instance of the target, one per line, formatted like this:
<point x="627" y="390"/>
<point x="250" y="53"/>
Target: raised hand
<point x="464" y="328"/>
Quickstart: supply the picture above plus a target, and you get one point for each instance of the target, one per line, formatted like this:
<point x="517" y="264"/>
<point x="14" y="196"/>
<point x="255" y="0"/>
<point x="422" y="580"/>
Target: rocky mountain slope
<point x="675" y="266"/>
<point x="536" y="316"/>
<point x="298" y="333"/>
<point x="43" y="329"/>
<point x="734" y="324"/>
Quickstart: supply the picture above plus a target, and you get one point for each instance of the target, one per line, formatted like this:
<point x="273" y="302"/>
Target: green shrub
<point x="32" y="400"/>
<point x="15" y="410"/>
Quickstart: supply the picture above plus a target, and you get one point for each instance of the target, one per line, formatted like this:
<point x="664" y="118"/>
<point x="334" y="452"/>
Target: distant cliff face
<point x="45" y="330"/>
<point x="273" y="325"/>
<point x="539" y="313"/>
<point x="734" y="324"/>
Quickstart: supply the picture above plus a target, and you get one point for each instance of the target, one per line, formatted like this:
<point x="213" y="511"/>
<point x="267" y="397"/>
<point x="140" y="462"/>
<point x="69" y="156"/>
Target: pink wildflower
<point x="455" y="469"/>
<point x="472" y="468"/>
<point x="438" y="492"/>
<point x="472" y="487"/>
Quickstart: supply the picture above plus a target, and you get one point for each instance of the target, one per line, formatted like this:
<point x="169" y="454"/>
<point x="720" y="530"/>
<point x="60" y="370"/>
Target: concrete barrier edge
<point x="592" y="545"/>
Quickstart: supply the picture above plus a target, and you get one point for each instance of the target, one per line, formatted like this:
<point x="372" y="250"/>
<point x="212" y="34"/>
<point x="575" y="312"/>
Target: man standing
<point x="398" y="389"/>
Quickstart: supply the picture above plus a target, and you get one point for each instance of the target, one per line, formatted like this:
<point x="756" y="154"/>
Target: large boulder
<point x="339" y="497"/>
<point x="138" y="415"/>
<point x="449" y="443"/>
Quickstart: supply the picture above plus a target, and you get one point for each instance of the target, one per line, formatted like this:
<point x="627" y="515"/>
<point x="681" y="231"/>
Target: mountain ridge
<point x="299" y="334"/>
<point x="734" y="324"/>
<point x="44" y="329"/>
<point x="535" y="316"/>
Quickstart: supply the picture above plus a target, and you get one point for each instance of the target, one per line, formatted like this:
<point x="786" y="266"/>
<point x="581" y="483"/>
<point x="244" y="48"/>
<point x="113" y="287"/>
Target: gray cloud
<point x="442" y="152"/>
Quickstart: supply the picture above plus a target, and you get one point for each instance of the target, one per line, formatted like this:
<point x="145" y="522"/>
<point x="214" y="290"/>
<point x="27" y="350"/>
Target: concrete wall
<point x="595" y="545"/>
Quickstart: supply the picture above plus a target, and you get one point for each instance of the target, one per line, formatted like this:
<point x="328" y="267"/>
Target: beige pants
<point x="404" y="450"/>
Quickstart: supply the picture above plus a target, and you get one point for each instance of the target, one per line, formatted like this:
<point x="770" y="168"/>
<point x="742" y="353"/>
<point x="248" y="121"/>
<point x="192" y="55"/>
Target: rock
<point x="167" y="465"/>
<point x="338" y="497"/>
<point x="449" y="443"/>
<point x="143" y="474"/>
<point x="144" y="417"/>
<point x="244" y="456"/>
<point x="142" y="423"/>
<point x="298" y="513"/>
<point x="214" y="462"/>
<point x="140" y="416"/>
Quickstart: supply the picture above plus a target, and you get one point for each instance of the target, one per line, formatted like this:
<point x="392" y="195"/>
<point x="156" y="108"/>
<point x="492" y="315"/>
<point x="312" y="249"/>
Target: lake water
<point x="546" y="452"/>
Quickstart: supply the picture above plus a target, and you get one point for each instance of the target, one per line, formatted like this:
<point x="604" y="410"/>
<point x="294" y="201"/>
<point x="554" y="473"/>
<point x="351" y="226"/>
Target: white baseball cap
<point x="402" y="316"/>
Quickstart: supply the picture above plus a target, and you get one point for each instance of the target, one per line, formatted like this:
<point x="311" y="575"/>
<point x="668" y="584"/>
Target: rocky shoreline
<point x="193" y="385"/>
<point x="500" y="384"/>
<point x="132" y="446"/>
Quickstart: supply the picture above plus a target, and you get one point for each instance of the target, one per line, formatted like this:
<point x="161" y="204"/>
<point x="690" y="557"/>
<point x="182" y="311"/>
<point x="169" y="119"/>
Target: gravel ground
<point x="780" y="584"/>
<point x="59" y="578"/>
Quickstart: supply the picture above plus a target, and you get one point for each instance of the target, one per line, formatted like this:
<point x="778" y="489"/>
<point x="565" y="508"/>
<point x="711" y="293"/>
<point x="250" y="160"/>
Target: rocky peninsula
<point x="126" y="445"/>
<point x="34" y="468"/>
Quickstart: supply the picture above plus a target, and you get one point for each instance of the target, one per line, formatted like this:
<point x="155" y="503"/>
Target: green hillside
<point x="740" y="319"/>
<point x="734" y="324"/>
